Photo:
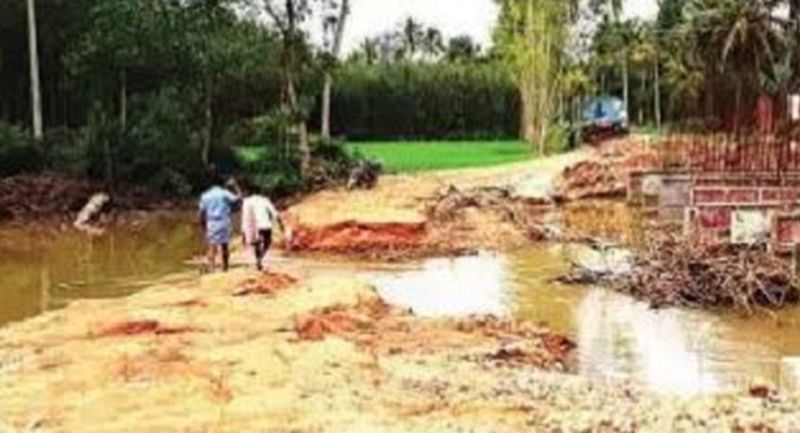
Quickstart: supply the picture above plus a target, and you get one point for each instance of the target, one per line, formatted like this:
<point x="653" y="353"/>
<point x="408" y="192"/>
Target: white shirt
<point x="257" y="214"/>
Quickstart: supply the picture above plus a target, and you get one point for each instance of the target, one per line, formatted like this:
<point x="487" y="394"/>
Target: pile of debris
<point x="591" y="179"/>
<point x="381" y="328"/>
<point x="523" y="214"/>
<point x="456" y="222"/>
<point x="606" y="175"/>
<point x="364" y="175"/>
<point x="673" y="270"/>
<point x="42" y="195"/>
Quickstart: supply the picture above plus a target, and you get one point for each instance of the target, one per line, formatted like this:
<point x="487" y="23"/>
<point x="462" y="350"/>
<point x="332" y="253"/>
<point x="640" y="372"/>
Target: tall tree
<point x="287" y="16"/>
<point x="411" y="35"/>
<point x="530" y="35"/>
<point x="432" y="43"/>
<point x="462" y="48"/>
<point x="334" y="24"/>
<point x="36" y="91"/>
<point x="644" y="59"/>
<point x="743" y="36"/>
<point x="370" y="49"/>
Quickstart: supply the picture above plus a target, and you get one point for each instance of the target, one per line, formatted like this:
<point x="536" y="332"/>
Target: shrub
<point x="274" y="172"/>
<point x="65" y="152"/>
<point x="334" y="160"/>
<point x="18" y="152"/>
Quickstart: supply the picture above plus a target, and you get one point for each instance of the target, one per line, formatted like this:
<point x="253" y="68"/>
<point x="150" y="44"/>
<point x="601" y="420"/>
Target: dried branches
<point x="677" y="271"/>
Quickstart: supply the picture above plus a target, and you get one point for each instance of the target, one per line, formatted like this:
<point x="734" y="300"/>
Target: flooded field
<point x="43" y="268"/>
<point x="670" y="350"/>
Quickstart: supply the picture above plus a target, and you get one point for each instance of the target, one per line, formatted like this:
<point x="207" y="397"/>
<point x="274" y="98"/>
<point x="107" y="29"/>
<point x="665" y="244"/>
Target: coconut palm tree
<point x="432" y="43"/>
<point x="411" y="37"/>
<point x="742" y="35"/>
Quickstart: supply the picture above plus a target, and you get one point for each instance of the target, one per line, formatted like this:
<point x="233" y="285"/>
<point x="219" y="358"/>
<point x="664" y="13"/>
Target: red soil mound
<point x="267" y="284"/>
<point x="339" y="320"/>
<point x="356" y="237"/>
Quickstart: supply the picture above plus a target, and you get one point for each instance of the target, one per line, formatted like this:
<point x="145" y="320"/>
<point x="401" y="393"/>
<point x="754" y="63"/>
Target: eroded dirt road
<point x="307" y="349"/>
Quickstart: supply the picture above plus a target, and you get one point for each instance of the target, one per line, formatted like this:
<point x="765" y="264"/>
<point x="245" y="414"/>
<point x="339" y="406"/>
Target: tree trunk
<point x="602" y="82"/>
<point x="209" y="120"/>
<point x="295" y="113"/>
<point x="737" y="106"/>
<point x="36" y="91"/>
<point x="123" y="100"/>
<point x="109" y="164"/>
<point x="326" y="91"/>
<point x="657" y="91"/>
<point x="794" y="15"/>
<point x="325" y="132"/>
<point x="302" y="129"/>
<point x="64" y="99"/>
<point x="643" y="96"/>
<point x="626" y="86"/>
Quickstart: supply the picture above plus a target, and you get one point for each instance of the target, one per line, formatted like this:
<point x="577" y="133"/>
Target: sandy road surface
<point x="397" y="198"/>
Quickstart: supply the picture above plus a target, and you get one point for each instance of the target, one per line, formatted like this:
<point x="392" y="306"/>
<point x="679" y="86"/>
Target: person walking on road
<point x="216" y="206"/>
<point x="258" y="218"/>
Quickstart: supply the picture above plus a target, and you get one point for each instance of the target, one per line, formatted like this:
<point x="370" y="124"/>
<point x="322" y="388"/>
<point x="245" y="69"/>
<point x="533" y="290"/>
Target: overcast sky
<point x="452" y="17"/>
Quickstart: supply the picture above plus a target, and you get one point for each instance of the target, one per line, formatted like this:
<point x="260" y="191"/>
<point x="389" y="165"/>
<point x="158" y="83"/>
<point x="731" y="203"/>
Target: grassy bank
<point x="415" y="156"/>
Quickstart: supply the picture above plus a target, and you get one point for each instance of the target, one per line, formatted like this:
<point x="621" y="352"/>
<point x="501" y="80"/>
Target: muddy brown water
<point x="44" y="267"/>
<point x="671" y="350"/>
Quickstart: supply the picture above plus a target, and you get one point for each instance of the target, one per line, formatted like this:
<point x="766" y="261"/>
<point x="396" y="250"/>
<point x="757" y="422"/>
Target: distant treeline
<point x="425" y="101"/>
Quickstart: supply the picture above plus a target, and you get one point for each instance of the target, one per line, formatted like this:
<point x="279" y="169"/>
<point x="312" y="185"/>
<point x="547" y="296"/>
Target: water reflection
<point x="449" y="286"/>
<point x="42" y="268"/>
<point x="670" y="350"/>
<point x="619" y="337"/>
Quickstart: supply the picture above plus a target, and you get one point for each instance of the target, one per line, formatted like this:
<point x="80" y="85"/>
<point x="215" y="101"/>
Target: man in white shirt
<point x="258" y="216"/>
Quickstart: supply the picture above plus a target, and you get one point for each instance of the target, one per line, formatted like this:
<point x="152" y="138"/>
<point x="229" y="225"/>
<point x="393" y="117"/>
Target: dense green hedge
<point x="424" y="101"/>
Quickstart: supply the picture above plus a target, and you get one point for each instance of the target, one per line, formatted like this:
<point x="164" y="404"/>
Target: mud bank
<point x="56" y="197"/>
<point x="433" y="214"/>
<point x="320" y="354"/>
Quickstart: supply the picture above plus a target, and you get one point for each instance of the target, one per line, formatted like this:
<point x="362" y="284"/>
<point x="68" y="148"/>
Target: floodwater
<point x="43" y="268"/>
<point x="672" y="350"/>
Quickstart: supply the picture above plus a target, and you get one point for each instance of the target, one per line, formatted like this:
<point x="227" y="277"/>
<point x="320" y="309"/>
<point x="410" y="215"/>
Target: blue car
<point x="605" y="115"/>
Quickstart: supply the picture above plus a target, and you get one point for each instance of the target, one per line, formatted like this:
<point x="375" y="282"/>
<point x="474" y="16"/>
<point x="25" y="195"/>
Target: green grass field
<point x="414" y="156"/>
